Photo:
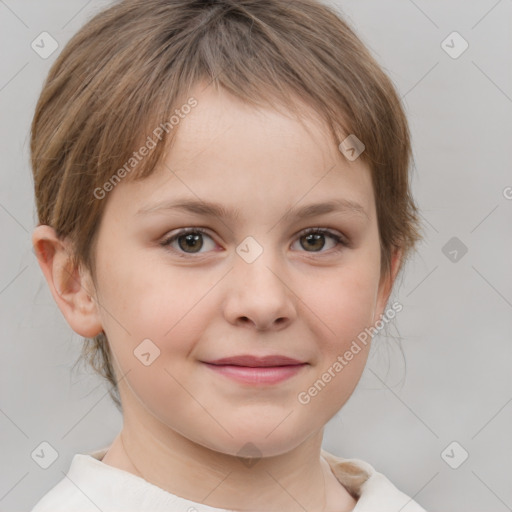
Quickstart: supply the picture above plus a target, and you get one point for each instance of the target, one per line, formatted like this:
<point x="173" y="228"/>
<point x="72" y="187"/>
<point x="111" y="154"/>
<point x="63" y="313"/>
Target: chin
<point x="260" y="440"/>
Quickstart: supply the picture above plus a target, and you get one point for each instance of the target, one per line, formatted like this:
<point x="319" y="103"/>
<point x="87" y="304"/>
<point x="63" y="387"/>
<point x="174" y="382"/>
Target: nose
<point x="258" y="294"/>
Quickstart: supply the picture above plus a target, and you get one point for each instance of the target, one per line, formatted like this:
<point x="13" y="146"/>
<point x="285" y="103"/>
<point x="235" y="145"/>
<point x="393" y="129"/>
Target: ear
<point x="71" y="287"/>
<point x="386" y="284"/>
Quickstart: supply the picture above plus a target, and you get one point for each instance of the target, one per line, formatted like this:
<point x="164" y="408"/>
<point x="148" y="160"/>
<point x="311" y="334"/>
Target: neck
<point x="296" y="481"/>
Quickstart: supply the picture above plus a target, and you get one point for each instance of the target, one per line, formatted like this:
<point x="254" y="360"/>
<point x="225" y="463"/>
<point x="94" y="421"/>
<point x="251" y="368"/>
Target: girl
<point x="224" y="206"/>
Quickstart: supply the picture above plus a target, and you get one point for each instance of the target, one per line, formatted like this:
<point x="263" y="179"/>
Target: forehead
<point x="230" y="152"/>
<point x="220" y="117"/>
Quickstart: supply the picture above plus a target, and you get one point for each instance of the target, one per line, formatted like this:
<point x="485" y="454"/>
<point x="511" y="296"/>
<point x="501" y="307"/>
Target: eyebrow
<point x="218" y="210"/>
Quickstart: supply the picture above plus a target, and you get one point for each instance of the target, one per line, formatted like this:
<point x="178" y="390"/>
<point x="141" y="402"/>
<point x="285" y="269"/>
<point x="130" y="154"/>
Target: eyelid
<point x="334" y="233"/>
<point x="342" y="242"/>
<point x="182" y="232"/>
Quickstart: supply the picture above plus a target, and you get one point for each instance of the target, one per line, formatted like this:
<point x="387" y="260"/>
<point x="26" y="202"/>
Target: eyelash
<point x="341" y="242"/>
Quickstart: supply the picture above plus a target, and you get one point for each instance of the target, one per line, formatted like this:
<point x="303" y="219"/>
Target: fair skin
<point x="305" y="298"/>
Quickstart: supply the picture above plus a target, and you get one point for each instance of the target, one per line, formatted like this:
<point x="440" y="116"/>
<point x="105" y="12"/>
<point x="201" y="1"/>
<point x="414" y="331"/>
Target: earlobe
<point x="71" y="287"/>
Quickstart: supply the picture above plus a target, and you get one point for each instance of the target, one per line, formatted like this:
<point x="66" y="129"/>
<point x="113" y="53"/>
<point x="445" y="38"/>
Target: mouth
<point x="253" y="370"/>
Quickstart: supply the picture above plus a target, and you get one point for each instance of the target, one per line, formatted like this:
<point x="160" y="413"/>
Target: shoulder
<point x="90" y="485"/>
<point x="64" y="496"/>
<point x="72" y="492"/>
<point x="373" y="491"/>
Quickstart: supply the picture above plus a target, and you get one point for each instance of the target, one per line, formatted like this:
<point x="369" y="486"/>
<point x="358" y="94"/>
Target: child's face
<point x="209" y="297"/>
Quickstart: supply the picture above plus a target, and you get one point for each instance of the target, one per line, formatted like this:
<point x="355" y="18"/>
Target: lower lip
<point x="259" y="375"/>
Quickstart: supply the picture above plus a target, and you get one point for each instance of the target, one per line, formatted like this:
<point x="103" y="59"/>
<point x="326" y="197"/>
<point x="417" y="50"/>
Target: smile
<point x="257" y="375"/>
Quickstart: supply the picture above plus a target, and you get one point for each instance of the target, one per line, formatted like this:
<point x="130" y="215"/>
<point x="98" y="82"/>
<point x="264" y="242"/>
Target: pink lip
<point x="257" y="370"/>
<point x="255" y="361"/>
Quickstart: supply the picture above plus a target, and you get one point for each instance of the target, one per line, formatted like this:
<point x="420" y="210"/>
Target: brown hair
<point x="125" y="72"/>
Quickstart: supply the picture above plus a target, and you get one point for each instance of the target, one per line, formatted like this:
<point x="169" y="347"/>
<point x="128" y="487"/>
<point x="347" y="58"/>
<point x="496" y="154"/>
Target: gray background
<point x="456" y="323"/>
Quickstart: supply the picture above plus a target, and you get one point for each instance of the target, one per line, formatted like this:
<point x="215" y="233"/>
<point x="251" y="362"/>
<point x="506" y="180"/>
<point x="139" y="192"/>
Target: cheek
<point x="339" y="313"/>
<point x="344" y="305"/>
<point x="155" y="317"/>
<point x="151" y="299"/>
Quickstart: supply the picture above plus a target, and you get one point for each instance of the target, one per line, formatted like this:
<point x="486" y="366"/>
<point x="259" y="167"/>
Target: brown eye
<point x="190" y="241"/>
<point x="314" y="240"/>
<point x="187" y="241"/>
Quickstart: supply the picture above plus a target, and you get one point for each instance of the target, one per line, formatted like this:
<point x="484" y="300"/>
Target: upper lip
<point x="255" y="361"/>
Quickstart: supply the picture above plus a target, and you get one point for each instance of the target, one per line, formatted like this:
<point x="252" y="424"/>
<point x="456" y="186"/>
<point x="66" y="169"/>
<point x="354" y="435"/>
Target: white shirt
<point x="92" y="486"/>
